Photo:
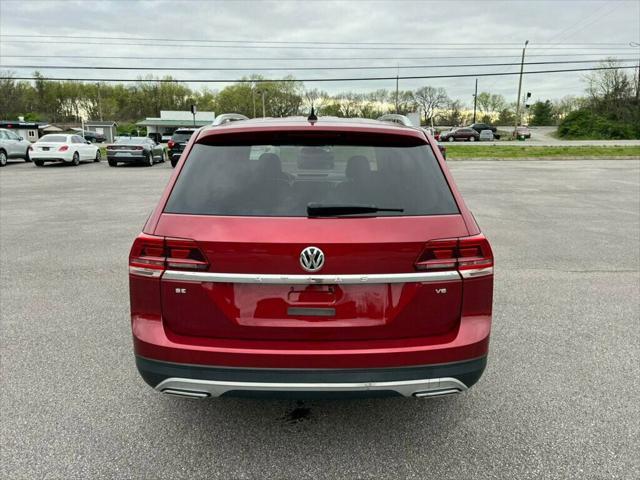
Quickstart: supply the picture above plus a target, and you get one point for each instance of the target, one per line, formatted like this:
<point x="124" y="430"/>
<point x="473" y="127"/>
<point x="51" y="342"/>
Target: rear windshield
<point x="181" y="136"/>
<point x="54" y="138"/>
<point x="282" y="180"/>
<point x="132" y="140"/>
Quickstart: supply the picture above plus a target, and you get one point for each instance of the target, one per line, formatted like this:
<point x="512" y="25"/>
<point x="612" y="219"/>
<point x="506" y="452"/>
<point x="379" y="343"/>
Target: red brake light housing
<point x="171" y="144"/>
<point x="471" y="256"/>
<point x="150" y="255"/>
<point x="63" y="148"/>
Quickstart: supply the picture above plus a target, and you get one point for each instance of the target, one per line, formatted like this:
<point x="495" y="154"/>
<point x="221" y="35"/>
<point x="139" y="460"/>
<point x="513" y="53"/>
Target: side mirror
<point x="87" y="142"/>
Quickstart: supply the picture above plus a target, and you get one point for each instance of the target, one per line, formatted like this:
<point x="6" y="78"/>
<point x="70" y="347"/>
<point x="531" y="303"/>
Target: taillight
<point x="63" y="148"/>
<point x="147" y="256"/>
<point x="471" y="256"/>
<point x="171" y="144"/>
<point x="151" y="255"/>
<point x="184" y="254"/>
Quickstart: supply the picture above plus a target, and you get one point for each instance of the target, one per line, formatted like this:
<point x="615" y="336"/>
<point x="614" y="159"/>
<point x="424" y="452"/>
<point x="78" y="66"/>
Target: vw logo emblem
<point x="312" y="259"/>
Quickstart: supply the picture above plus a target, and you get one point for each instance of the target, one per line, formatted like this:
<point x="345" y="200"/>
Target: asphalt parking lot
<point x="559" y="398"/>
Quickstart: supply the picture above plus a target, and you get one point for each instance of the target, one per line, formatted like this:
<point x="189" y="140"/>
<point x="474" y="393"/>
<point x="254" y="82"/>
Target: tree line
<point x="609" y="93"/>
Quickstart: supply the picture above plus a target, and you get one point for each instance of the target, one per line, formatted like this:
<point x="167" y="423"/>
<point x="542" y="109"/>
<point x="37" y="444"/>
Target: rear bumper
<point x="52" y="156"/>
<point x="153" y="341"/>
<point x="126" y="159"/>
<point x="198" y="381"/>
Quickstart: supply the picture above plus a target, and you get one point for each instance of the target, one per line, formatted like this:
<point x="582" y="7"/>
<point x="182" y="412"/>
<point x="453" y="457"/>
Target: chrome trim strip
<point x="310" y="279"/>
<point x="408" y="388"/>
<point x="477" y="272"/>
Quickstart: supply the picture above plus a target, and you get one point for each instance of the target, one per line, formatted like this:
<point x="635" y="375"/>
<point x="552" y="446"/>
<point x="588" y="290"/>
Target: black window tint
<point x="281" y="180"/>
<point x="182" y="136"/>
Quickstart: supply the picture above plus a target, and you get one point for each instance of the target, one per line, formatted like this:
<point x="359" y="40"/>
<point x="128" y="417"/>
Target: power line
<point x="304" y="47"/>
<point x="310" y="80"/>
<point x="292" y="42"/>
<point x="243" y="69"/>
<point x="350" y="58"/>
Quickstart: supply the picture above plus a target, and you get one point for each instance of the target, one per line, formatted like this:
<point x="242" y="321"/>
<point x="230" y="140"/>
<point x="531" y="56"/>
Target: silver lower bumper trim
<point x="195" y="388"/>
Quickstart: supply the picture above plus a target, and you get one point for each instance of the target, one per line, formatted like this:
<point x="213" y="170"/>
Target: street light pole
<point x="253" y="97"/>
<point x="264" y="110"/>
<point x="397" y="85"/>
<point x="475" y="101"/>
<point x="520" y="86"/>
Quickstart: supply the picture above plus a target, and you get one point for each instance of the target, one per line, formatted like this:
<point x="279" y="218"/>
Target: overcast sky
<point x="558" y="29"/>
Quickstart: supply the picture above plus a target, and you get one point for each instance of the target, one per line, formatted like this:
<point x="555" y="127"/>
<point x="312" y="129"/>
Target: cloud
<point x="465" y="22"/>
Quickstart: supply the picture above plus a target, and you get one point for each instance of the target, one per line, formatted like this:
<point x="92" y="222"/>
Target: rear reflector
<point x="151" y="255"/>
<point x="471" y="256"/>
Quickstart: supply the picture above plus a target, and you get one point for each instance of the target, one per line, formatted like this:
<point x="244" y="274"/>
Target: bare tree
<point x="316" y="98"/>
<point x="610" y="84"/>
<point x="430" y="99"/>
<point x="489" y="103"/>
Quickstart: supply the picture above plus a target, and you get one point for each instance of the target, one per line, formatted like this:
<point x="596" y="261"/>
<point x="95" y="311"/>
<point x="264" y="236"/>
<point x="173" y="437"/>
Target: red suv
<point x="296" y="257"/>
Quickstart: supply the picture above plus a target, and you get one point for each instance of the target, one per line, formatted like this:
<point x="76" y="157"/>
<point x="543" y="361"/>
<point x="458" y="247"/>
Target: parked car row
<point x="73" y="149"/>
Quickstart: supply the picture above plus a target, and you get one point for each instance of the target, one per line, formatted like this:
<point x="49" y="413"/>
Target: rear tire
<point x="3" y="158"/>
<point x="149" y="160"/>
<point x="472" y="139"/>
<point x="98" y="156"/>
<point x="113" y="163"/>
<point x="39" y="163"/>
<point x="75" y="160"/>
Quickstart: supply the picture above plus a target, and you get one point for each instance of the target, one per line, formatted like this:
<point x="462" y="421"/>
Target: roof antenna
<point x="312" y="116"/>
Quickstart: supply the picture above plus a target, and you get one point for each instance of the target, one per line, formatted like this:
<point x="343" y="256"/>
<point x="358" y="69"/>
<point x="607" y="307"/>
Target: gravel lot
<point x="558" y="400"/>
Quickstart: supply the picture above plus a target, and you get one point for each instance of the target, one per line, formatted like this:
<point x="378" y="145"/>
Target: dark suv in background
<point x="178" y="141"/>
<point x="93" y="137"/>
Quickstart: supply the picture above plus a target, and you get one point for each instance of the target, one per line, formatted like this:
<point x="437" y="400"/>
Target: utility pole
<point x="194" y="110"/>
<point x="475" y="102"/>
<point x="520" y="87"/>
<point x="397" y="83"/>
<point x="99" y="101"/>
<point x="264" y="110"/>
<point x="253" y="97"/>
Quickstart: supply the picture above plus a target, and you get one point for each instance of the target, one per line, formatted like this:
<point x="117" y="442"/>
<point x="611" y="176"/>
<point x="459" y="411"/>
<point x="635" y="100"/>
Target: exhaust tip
<point x="437" y="393"/>
<point x="185" y="393"/>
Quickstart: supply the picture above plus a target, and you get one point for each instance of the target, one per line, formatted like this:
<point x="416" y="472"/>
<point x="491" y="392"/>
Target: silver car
<point x="12" y="146"/>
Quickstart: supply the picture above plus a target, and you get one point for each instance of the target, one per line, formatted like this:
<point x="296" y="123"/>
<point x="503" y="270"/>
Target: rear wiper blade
<point x="336" y="210"/>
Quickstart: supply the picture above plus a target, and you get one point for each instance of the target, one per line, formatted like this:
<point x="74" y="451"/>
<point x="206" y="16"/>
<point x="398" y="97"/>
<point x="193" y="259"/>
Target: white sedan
<point x="65" y="148"/>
